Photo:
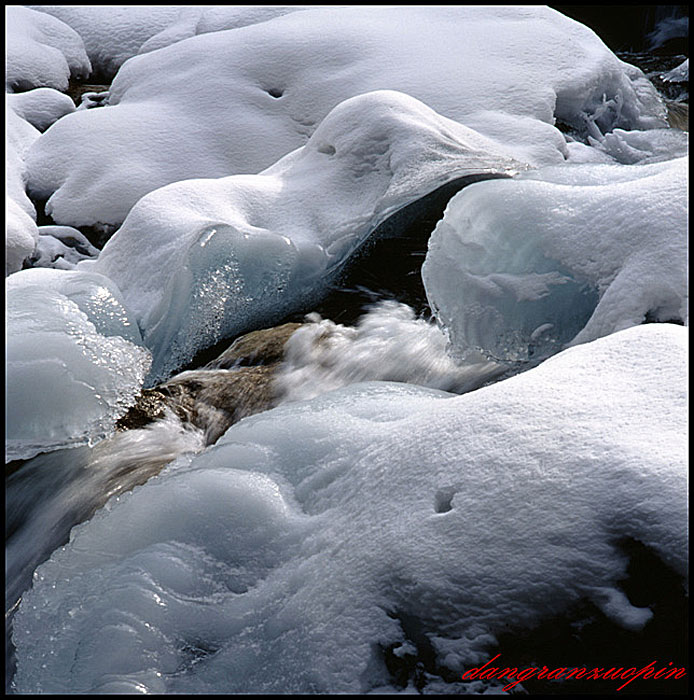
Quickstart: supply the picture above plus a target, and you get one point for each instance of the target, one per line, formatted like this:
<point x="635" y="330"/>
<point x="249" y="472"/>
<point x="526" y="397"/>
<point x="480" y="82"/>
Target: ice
<point x="519" y="269"/>
<point x="235" y="101"/>
<point x="74" y="360"/>
<point x="636" y="146"/>
<point x="312" y="537"/>
<point x="679" y="74"/>
<point x="201" y="260"/>
<point x="41" y="51"/>
<point x="114" y="33"/>
<point x="21" y="233"/>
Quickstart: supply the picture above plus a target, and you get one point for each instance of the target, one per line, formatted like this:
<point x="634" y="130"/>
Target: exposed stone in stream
<point x="236" y="384"/>
<point x="678" y="115"/>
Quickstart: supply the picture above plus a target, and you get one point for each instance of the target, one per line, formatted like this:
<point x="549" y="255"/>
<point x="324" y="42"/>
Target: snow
<point x="312" y="537"/>
<point x="200" y="260"/>
<point x="74" y="360"/>
<point x="61" y="247"/>
<point x="40" y="107"/>
<point x="21" y="233"/>
<point x="519" y="269"/>
<point x="41" y="51"/>
<point x="235" y="101"/>
<point x="114" y="33"/>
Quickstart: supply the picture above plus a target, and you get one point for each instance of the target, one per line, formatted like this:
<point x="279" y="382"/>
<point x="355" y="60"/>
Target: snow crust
<point x="200" y="260"/>
<point x="74" y="360"/>
<point x="235" y="101"/>
<point x="41" y="51"/>
<point x="314" y="536"/>
<point x="520" y="269"/>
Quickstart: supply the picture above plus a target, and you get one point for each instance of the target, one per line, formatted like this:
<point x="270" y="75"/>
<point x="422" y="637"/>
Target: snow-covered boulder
<point x="21" y="233"/>
<point x="41" y="51"/>
<point x="236" y="101"/>
<point x="41" y="107"/>
<point x="74" y="360"/>
<point x="61" y="247"/>
<point x="114" y="33"/>
<point x="519" y="269"/>
<point x="201" y="260"/>
<point x="380" y="516"/>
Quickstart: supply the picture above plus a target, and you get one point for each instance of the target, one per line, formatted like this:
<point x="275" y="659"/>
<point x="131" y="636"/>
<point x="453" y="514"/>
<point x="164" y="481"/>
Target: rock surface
<point x="236" y="384"/>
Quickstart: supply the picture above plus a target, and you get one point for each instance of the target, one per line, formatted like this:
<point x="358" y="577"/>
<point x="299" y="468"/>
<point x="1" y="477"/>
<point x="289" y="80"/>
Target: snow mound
<point x="41" y="51"/>
<point x="61" y="247"/>
<point x="235" y="101"/>
<point x="520" y="269"/>
<point x="41" y="107"/>
<point x="315" y="536"/>
<point x="21" y="233"/>
<point x="74" y="360"/>
<point x="114" y="33"/>
<point x="201" y="260"/>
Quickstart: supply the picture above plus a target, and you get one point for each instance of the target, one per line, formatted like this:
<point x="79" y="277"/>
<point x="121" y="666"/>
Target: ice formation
<point x="74" y="360"/>
<point x="61" y="247"/>
<point x="41" y="51"/>
<point x="519" y="269"/>
<point x="235" y="101"/>
<point x="679" y="74"/>
<point x="201" y="260"/>
<point x="312" y="537"/>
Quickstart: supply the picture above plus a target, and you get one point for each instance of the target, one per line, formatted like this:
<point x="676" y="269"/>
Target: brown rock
<point x="678" y="115"/>
<point x="257" y="348"/>
<point x="235" y="385"/>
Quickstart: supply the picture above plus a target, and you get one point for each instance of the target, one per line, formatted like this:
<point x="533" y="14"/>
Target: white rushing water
<point x="388" y="343"/>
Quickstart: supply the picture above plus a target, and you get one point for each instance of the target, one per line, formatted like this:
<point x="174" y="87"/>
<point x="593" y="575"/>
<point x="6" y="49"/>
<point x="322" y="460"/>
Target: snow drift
<point x="201" y="260"/>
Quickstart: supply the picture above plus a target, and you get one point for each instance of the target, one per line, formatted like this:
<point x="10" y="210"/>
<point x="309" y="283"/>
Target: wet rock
<point x="213" y="400"/>
<point x="236" y="384"/>
<point x="262" y="347"/>
<point x="77" y="89"/>
<point x="678" y="115"/>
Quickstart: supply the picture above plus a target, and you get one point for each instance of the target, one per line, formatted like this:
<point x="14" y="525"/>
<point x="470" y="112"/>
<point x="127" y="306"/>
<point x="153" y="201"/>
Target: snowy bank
<point x="21" y="233"/>
<point x="381" y="516"/>
<point x="114" y="33"/>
